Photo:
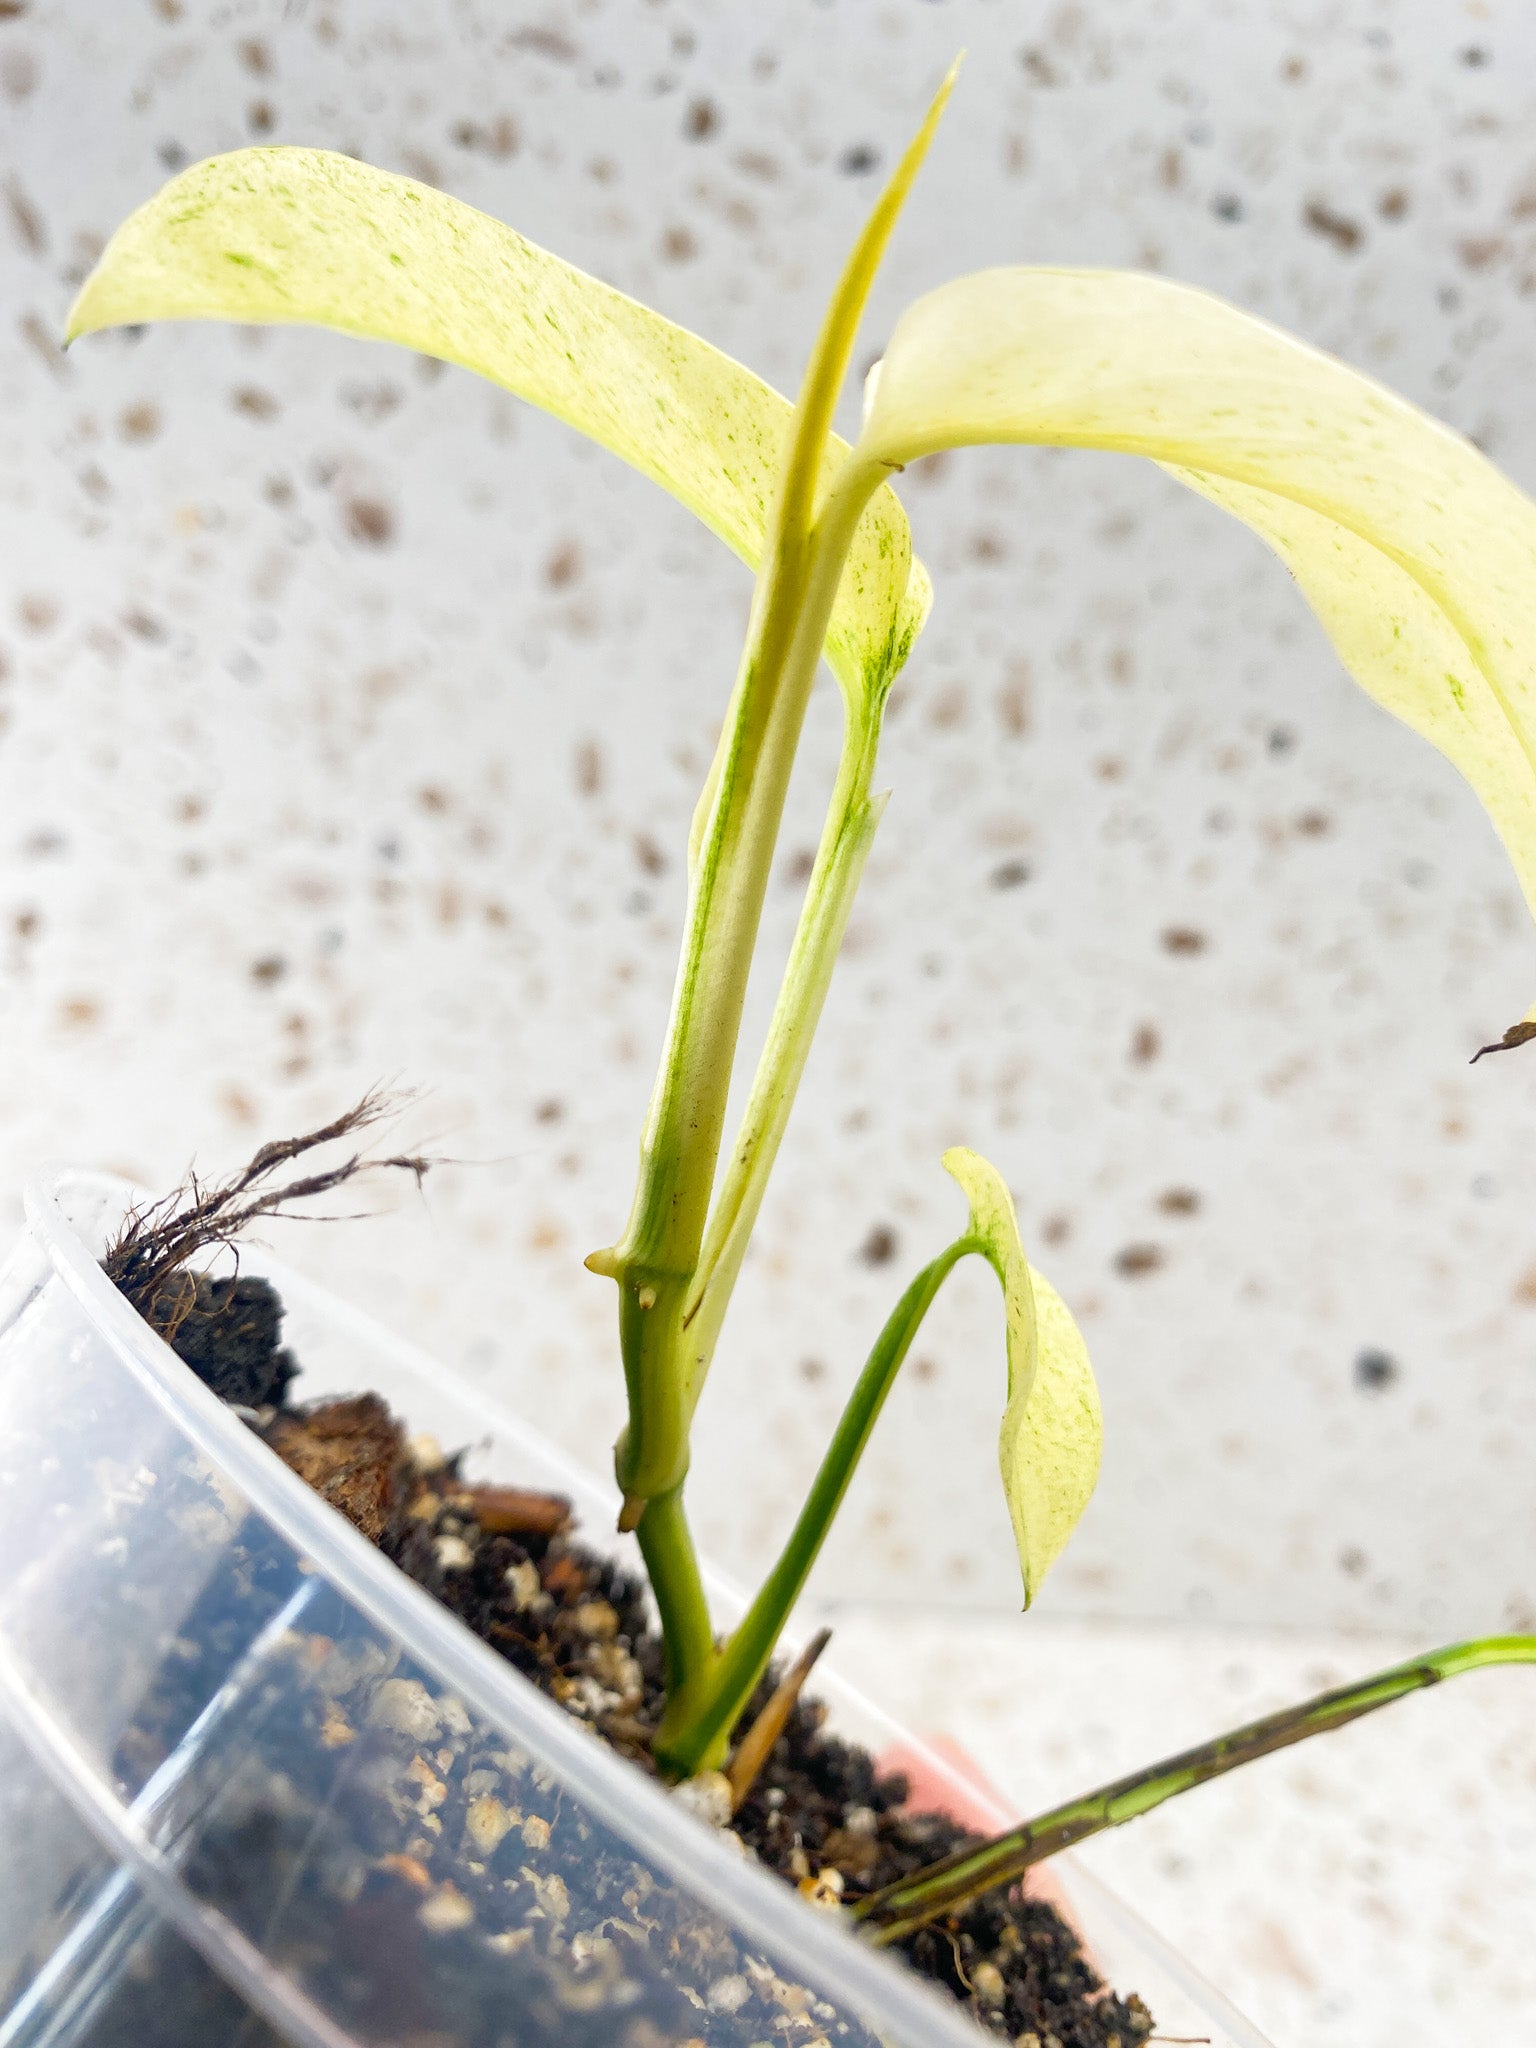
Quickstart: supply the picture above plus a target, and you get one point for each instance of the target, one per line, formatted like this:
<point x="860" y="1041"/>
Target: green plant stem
<point x="697" y="1725"/>
<point x="672" y="1566"/>
<point x="655" y="1262"/>
<point x="847" y="835"/>
<point x="731" y="849"/>
<point x="900" y="1909"/>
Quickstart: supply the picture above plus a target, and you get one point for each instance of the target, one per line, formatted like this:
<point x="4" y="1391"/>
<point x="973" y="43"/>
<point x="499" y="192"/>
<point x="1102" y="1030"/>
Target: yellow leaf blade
<point x="309" y="236"/>
<point x="1052" y="1430"/>
<point x="1400" y="647"/>
<point x="1418" y="555"/>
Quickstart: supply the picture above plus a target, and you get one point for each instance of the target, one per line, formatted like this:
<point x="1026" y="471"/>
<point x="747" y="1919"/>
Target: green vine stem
<point x="731" y="848"/>
<point x="900" y="1909"/>
<point x="677" y="1586"/>
<point x="655" y="1260"/>
<point x="699" y="1718"/>
<point x="848" y="834"/>
<point x="654" y="1264"/>
<point x="809" y="536"/>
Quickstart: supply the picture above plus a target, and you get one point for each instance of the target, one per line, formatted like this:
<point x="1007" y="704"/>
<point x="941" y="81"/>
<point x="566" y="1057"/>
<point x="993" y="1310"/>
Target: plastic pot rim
<point x="762" y="1908"/>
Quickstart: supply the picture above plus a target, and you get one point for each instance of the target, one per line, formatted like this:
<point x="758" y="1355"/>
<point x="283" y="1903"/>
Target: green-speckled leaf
<point x="1048" y="1447"/>
<point x="1418" y="556"/>
<point x="309" y="236"/>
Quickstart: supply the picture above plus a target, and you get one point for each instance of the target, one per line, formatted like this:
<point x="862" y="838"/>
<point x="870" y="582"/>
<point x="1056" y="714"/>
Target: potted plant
<point x="328" y="1795"/>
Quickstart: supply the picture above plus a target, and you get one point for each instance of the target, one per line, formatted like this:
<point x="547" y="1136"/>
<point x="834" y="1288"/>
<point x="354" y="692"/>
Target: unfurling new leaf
<point x="1048" y="1447"/>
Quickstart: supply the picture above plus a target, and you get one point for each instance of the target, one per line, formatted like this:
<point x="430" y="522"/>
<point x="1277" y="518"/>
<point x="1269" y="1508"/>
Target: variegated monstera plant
<point x="1418" y="557"/>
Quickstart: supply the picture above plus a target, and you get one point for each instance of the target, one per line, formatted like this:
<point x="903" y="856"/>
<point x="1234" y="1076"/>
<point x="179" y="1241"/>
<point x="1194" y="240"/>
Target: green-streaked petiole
<point x="696" y="1729"/>
<point x="900" y="1909"/>
<point x="852" y="818"/>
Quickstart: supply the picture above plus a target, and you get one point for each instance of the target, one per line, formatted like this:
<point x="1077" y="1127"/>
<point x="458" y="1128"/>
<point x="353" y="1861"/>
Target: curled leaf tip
<point x="1517" y="1034"/>
<point x="1048" y="1446"/>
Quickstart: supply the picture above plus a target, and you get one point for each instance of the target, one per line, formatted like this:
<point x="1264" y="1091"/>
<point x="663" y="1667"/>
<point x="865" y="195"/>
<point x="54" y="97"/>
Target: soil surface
<point x="553" y="1912"/>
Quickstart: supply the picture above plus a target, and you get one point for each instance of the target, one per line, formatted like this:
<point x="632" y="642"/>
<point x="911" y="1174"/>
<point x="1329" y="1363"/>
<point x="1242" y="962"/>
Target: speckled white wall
<point x="354" y="715"/>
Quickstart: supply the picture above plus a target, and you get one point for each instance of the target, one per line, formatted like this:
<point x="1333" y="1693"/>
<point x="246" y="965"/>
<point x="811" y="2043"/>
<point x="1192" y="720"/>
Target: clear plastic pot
<point x="209" y="1682"/>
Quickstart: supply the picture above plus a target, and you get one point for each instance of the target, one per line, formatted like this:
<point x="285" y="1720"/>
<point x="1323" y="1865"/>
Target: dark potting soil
<point x="476" y="1896"/>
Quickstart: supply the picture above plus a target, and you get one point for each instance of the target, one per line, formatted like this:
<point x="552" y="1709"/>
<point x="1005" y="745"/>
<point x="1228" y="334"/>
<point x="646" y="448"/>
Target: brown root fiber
<point x="147" y="1260"/>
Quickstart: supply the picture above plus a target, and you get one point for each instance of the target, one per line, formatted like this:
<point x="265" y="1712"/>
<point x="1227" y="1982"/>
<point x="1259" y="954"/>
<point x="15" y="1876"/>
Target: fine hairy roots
<point x="147" y="1259"/>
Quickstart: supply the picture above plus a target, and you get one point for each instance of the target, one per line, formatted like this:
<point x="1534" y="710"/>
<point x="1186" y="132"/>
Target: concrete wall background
<point x="354" y="715"/>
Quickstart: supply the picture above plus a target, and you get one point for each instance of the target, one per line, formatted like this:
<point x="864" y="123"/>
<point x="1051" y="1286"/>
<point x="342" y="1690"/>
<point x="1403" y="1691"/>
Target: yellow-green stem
<point x="656" y="1260"/>
<point x="731" y="850"/>
<point x="847" y="835"/>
